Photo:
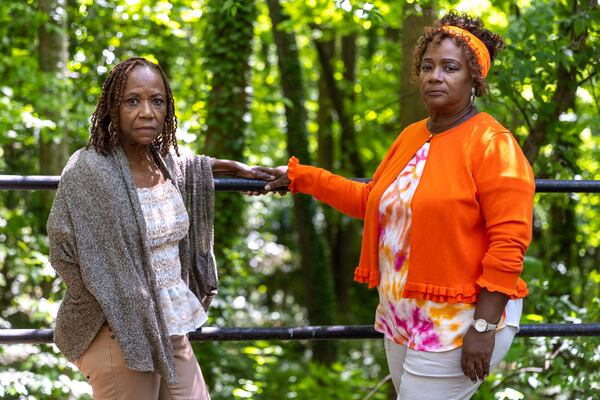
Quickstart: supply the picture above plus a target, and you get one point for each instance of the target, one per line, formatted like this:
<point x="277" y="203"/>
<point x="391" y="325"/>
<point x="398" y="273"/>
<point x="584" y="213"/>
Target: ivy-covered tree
<point x="228" y="47"/>
<point x="53" y="58"/>
<point x="317" y="276"/>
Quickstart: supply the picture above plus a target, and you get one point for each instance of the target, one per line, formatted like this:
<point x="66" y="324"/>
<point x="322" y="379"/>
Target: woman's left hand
<point x="248" y="172"/>
<point x="477" y="353"/>
<point x="241" y="170"/>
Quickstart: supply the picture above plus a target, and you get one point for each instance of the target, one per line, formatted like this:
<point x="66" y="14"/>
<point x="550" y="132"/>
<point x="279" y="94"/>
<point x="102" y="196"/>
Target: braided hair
<point x="104" y="132"/>
<point x="493" y="42"/>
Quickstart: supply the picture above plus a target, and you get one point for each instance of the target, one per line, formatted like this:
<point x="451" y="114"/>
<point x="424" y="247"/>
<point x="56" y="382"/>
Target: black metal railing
<point x="337" y="332"/>
<point x="45" y="182"/>
<point x="41" y="336"/>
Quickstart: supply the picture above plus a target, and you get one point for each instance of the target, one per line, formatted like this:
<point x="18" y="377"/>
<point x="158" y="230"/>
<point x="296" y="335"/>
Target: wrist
<point x="235" y="168"/>
<point x="228" y="167"/>
<point x="240" y="167"/>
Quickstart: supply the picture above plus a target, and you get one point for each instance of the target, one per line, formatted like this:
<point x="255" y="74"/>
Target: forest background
<point x="328" y="81"/>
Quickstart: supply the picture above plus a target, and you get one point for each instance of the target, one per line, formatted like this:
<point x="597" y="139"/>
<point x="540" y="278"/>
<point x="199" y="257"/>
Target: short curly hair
<point x="493" y="42"/>
<point x="104" y="132"/>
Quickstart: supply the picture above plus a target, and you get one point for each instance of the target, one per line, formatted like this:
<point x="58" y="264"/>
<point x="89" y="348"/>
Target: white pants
<point x="438" y="375"/>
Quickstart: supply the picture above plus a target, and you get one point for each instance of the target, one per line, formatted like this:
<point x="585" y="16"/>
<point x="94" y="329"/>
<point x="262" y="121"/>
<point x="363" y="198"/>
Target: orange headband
<point x="479" y="48"/>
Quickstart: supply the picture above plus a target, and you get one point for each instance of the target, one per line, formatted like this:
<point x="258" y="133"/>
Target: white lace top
<point x="167" y="223"/>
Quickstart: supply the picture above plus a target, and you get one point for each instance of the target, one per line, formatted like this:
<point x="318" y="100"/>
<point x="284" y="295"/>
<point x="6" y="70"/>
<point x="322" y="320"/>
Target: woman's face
<point x="445" y="80"/>
<point x="143" y="107"/>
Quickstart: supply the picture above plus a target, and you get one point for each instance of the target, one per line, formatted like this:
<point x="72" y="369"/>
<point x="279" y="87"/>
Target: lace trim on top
<point x="167" y="223"/>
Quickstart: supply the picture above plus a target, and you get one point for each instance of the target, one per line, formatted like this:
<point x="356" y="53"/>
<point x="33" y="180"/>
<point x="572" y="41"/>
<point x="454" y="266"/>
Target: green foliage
<point x="280" y="370"/>
<point x="39" y="372"/>
<point x="221" y="60"/>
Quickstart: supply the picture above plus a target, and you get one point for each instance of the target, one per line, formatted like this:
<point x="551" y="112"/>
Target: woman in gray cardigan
<point x="130" y="233"/>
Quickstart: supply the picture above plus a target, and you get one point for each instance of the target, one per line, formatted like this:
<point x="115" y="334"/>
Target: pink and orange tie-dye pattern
<point x="419" y="324"/>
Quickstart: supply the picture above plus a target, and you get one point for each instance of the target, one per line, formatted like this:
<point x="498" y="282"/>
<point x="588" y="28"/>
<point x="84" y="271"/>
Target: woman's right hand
<point x="281" y="177"/>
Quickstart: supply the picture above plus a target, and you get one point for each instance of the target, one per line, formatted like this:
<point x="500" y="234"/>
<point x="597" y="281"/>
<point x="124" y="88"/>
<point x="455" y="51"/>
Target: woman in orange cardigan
<point x="448" y="218"/>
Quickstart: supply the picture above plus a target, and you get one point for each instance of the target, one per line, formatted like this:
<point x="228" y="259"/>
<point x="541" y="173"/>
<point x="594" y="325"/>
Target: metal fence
<point x="41" y="336"/>
<point x="43" y="182"/>
<point x="337" y="332"/>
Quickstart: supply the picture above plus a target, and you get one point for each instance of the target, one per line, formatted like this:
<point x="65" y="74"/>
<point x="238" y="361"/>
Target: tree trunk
<point x="318" y="282"/>
<point x="412" y="108"/>
<point x="52" y="60"/>
<point x="228" y="48"/>
<point x="349" y="60"/>
<point x="349" y="148"/>
<point x="324" y="116"/>
<point x="346" y="244"/>
<point x="341" y="255"/>
<point x="342" y="232"/>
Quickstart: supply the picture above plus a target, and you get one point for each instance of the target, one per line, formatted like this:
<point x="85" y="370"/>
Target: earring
<point x="472" y="94"/>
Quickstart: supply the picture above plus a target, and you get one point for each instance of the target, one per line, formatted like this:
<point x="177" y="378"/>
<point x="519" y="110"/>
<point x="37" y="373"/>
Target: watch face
<point x="480" y="325"/>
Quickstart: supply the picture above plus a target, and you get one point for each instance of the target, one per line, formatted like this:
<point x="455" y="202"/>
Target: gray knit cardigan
<point x="98" y="245"/>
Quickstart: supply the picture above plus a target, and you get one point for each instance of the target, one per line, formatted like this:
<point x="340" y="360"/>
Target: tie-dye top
<point x="418" y="324"/>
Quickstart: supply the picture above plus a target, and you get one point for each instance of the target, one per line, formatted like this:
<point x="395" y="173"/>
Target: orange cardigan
<point x="471" y="212"/>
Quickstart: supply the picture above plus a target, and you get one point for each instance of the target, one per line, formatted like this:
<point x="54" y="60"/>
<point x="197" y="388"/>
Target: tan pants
<point x="105" y="369"/>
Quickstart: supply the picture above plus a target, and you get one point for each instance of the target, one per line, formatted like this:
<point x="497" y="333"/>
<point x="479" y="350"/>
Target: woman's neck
<point x="138" y="155"/>
<point x="144" y="168"/>
<point x="440" y="123"/>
